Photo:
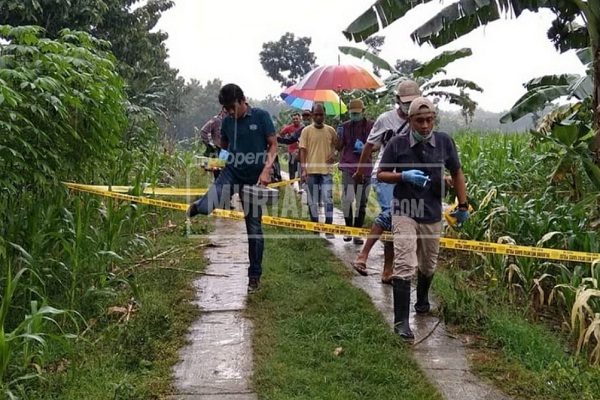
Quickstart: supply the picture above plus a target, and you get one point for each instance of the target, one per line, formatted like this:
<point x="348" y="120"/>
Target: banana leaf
<point x="585" y="55"/>
<point x="367" y="55"/>
<point x="438" y="62"/>
<point x="454" y="82"/>
<point x="384" y="11"/>
<point x="551" y="80"/>
<point x="534" y="100"/>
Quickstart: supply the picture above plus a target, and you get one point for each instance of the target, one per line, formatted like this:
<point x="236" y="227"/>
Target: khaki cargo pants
<point x="415" y="246"/>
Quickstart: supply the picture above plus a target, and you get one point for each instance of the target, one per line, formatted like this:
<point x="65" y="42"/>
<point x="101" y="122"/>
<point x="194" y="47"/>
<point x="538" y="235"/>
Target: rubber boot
<point x="388" y="262"/>
<point x="423" y="284"/>
<point x="401" y="309"/>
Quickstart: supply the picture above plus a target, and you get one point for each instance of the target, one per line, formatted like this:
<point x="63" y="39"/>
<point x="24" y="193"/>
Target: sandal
<point x="360" y="267"/>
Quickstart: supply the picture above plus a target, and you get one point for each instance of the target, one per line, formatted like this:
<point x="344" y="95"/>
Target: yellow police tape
<point x="171" y="191"/>
<point x="283" y="183"/>
<point x="456" y="244"/>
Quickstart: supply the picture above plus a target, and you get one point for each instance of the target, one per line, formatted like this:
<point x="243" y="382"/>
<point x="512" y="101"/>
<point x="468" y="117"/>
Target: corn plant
<point x="593" y="332"/>
<point x="568" y="282"/>
<point x="23" y="346"/>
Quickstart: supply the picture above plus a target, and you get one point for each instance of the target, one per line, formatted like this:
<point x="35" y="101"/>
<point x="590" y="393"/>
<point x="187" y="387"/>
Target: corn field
<point x="523" y="193"/>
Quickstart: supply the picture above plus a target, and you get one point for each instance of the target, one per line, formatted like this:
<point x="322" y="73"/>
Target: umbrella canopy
<point x="304" y="99"/>
<point x="339" y="77"/>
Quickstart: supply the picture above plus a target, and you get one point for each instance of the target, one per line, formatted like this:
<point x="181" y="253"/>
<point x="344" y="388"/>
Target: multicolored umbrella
<point x="304" y="99"/>
<point x="339" y="77"/>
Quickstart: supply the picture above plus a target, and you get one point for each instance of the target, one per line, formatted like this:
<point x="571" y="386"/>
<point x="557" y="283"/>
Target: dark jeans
<point x="219" y="196"/>
<point x="320" y="188"/>
<point x="276" y="170"/>
<point x="293" y="165"/>
<point x="357" y="193"/>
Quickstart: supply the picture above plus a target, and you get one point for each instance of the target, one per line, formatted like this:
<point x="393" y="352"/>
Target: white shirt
<point x="386" y="121"/>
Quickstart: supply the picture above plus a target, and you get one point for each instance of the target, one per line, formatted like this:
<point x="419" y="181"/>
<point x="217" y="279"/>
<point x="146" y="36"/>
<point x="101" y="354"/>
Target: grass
<point x="119" y="359"/>
<point x="316" y="335"/>
<point x="308" y="308"/>
<point x="523" y="358"/>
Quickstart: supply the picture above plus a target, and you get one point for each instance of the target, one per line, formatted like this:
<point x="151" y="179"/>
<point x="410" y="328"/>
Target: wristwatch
<point x="464" y="206"/>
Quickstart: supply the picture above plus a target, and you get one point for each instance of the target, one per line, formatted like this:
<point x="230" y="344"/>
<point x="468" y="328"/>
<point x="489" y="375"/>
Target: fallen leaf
<point x="117" y="310"/>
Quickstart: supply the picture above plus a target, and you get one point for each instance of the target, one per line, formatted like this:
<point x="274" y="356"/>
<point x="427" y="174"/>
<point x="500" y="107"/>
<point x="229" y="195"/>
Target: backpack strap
<point x="389" y="134"/>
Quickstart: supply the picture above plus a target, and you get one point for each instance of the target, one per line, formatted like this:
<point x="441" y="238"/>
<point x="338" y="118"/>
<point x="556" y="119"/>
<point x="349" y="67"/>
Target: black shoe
<point x="253" y="285"/>
<point x="191" y="211"/>
<point x="422" y="305"/>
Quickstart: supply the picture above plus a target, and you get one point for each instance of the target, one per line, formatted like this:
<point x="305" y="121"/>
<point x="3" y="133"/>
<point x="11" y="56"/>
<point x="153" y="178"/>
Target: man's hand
<point x="303" y="176"/>
<point x="331" y="158"/>
<point x="448" y="181"/>
<point x="264" y="178"/>
<point x="358" y="177"/>
<point x="416" y="177"/>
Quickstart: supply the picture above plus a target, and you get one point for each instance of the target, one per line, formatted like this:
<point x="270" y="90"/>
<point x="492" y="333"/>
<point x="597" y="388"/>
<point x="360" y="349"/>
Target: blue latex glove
<point x="340" y="130"/>
<point x="358" y="146"/>
<point x="416" y="177"/>
<point x="461" y="216"/>
<point x="223" y="154"/>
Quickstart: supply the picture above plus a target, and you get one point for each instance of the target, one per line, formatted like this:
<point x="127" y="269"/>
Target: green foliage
<point x="374" y="44"/>
<point x="464" y="16"/>
<point x="288" y="59"/>
<point x="427" y="76"/>
<point x="533" y="346"/>
<point x="198" y="104"/>
<point x="139" y="48"/>
<point x="61" y="107"/>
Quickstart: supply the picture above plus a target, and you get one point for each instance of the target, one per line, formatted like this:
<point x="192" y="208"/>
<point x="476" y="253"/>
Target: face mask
<point x="356" y="116"/>
<point x="404" y="107"/>
<point x="418" y="137"/>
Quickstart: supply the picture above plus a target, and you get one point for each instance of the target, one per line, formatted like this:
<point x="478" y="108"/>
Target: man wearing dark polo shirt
<point x="248" y="134"/>
<point x="416" y="162"/>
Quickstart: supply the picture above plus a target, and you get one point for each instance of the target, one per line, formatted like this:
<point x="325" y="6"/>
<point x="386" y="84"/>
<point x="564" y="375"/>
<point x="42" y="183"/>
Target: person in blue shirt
<point x="248" y="134"/>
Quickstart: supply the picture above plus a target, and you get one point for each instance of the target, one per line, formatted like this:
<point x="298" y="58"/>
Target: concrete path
<point x="217" y="363"/>
<point x="442" y="357"/>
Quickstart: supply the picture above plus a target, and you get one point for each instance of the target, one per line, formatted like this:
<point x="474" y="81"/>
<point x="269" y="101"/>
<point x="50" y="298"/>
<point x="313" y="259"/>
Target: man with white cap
<point x="415" y="163"/>
<point x="387" y="125"/>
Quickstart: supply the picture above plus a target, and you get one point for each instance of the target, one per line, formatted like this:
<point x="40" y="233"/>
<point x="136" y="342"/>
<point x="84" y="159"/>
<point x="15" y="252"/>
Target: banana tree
<point x="567" y="126"/>
<point x="464" y="16"/>
<point x="425" y="76"/>
<point x="542" y="91"/>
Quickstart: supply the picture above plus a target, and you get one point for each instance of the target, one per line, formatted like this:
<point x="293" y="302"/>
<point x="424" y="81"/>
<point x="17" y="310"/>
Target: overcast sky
<point x="222" y="39"/>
